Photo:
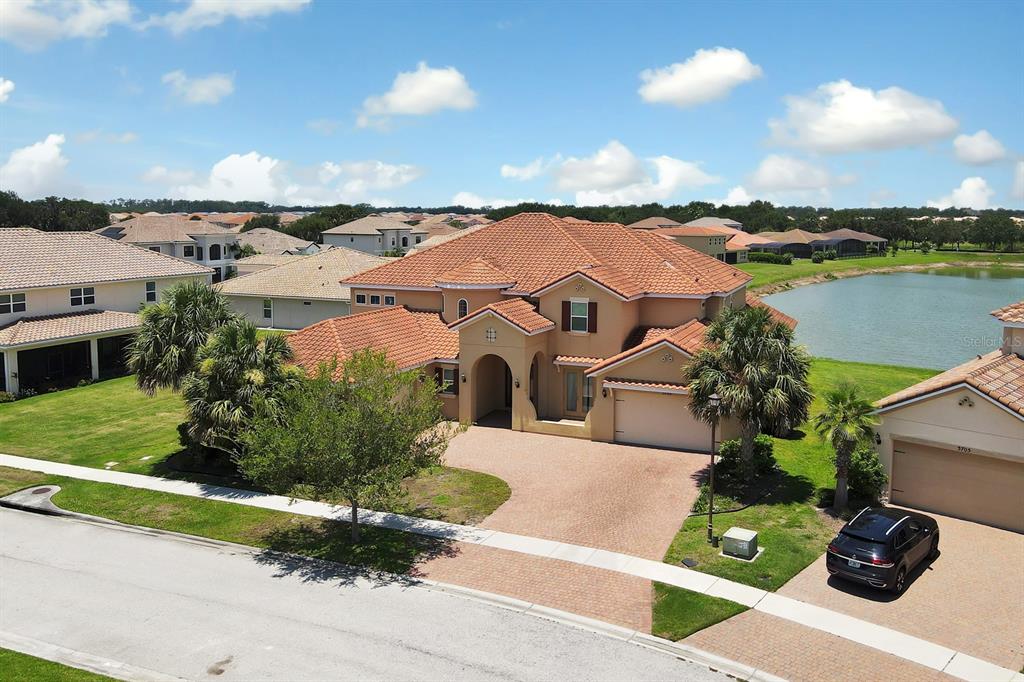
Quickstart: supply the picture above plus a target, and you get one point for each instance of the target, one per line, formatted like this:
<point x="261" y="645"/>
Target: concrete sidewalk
<point x="877" y="637"/>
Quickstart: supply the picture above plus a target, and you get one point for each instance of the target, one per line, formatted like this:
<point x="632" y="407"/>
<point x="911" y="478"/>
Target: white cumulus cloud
<point x="611" y="167"/>
<point x="973" y="192"/>
<point x="670" y="176"/>
<point x="1017" y="189"/>
<point x="36" y="170"/>
<point x="777" y="172"/>
<point x="979" y="148"/>
<point x="471" y="200"/>
<point x="737" y="196"/>
<point x="205" y="13"/>
<point x="34" y="24"/>
<point x="416" y="93"/>
<point x="841" y="117"/>
<point x="527" y="172"/>
<point x="202" y="89"/>
<point x="707" y="75"/>
<point x="6" y="88"/>
<point x="257" y="177"/>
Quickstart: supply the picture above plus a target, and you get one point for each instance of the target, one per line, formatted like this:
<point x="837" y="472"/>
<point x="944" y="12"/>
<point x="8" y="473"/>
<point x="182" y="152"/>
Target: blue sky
<point x="485" y="103"/>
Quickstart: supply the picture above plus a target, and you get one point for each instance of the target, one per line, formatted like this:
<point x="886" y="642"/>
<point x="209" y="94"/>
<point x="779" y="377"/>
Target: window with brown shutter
<point x="592" y="317"/>
<point x="566" y="315"/>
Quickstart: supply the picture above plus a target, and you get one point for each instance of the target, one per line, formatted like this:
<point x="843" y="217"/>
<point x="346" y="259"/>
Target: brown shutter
<point x="566" y="315"/>
<point x="592" y="317"/>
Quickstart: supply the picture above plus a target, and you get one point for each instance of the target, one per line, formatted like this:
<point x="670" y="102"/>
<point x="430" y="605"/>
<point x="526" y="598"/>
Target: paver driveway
<point x="971" y="598"/>
<point x="614" y="497"/>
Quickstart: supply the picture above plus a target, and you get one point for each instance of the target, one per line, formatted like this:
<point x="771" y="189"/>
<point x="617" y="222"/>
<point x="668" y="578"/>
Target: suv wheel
<point x="901" y="580"/>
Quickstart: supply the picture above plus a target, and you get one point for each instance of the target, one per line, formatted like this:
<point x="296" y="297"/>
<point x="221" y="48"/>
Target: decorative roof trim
<point x="948" y="389"/>
<point x="640" y="354"/>
<point x="485" y="311"/>
<point x="565" y="278"/>
<point x="386" y="287"/>
<point x="624" y="385"/>
<point x="574" y="363"/>
<point x="458" y="285"/>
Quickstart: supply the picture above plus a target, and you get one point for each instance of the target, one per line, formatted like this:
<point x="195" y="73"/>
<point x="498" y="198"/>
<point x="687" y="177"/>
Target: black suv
<point x="880" y="546"/>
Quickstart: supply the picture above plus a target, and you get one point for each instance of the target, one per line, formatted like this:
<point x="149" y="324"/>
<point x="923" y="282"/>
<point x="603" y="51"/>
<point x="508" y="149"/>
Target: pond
<point x="936" y="318"/>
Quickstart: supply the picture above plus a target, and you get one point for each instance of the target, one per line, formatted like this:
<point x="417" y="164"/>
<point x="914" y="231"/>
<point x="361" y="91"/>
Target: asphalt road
<point x="199" y="610"/>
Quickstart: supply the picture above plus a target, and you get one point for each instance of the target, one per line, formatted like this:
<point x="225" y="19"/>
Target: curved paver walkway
<point x="904" y="646"/>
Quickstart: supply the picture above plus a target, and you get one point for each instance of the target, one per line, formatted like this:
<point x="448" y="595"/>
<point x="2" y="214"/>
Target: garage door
<point x="972" y="487"/>
<point x="658" y="419"/>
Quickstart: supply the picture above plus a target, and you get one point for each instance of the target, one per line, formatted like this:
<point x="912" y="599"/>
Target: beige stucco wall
<point x="121" y="296"/>
<point x="475" y="299"/>
<point x="288" y="313"/>
<point x="716" y="304"/>
<point x="615" y="320"/>
<point x="670" y="312"/>
<point x="417" y="300"/>
<point x="981" y="430"/>
<point x="367" y="243"/>
<point x="711" y="245"/>
<point x="449" y="401"/>
<point x="1013" y="340"/>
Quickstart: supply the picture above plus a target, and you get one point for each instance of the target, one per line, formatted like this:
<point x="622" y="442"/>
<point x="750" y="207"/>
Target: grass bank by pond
<point x="766" y="274"/>
<point x="793" y="531"/>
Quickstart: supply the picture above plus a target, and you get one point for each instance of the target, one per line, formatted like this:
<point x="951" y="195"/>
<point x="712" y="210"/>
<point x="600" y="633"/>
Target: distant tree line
<point x="52" y="213"/>
<point x="198" y="206"/>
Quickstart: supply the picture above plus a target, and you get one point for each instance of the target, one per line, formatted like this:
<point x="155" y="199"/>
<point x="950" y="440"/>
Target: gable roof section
<point x="433" y="241"/>
<point x="371" y="224"/>
<point x="687" y="338"/>
<point x="409" y="338"/>
<point x="996" y="375"/>
<point x="66" y="326"/>
<point x="516" y="311"/>
<point x="653" y="223"/>
<point x="776" y="314"/>
<point x="272" y="242"/>
<point x="689" y="231"/>
<point x="794" y="236"/>
<point x="473" y="274"/>
<point x="148" y="229"/>
<point x="1012" y="314"/>
<point x="316" y="276"/>
<point x="538" y="249"/>
<point x="712" y="221"/>
<point x="31" y="259"/>
<point x="846" y="233"/>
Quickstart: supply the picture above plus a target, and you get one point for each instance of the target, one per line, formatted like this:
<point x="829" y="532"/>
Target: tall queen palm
<point x="846" y="421"/>
<point x="751" y="361"/>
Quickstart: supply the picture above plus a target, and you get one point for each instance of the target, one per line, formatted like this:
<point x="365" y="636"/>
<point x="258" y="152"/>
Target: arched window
<point x="463" y="307"/>
<point x="405" y="241"/>
<point x="214" y="251"/>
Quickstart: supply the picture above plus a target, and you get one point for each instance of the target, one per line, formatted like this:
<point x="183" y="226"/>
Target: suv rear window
<point x="863" y="545"/>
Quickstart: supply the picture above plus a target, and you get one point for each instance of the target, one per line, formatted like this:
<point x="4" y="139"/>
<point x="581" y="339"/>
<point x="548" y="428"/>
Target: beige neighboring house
<point x="730" y="225"/>
<point x="654" y="223"/>
<point x="272" y="242"/>
<point x="69" y="304"/>
<point x="375" y="234"/>
<point x="703" y="239"/>
<point x="954" y="443"/>
<point x="262" y="261"/>
<point x="300" y="292"/>
<point x="195" y="241"/>
<point x="431" y="242"/>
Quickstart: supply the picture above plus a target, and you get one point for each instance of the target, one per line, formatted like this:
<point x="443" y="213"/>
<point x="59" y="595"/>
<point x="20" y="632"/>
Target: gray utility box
<point x="740" y="543"/>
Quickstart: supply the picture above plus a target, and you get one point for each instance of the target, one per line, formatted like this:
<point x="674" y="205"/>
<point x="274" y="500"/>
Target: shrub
<point x="730" y="463"/>
<point x="831" y="254"/>
<point x="926" y="247"/>
<point x="817" y="257"/>
<point x="867" y="478"/>
<point x="722" y="502"/>
<point x="6" y="397"/>
<point x="765" y="257"/>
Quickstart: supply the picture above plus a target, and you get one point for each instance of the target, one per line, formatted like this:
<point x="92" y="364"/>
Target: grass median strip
<point x="25" y="668"/>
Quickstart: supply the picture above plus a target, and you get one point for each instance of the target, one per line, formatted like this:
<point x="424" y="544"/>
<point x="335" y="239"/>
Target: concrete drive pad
<point x="614" y="497"/>
<point x="970" y="599"/>
<point x="802" y="654"/>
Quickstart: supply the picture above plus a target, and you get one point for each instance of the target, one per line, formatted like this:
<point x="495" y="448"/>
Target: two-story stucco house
<point x="196" y="241"/>
<point x="375" y="234"/>
<point x="69" y="303"/>
<point x="571" y="328"/>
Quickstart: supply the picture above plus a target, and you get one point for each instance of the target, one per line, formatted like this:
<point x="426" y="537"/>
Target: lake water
<point x="937" y="318"/>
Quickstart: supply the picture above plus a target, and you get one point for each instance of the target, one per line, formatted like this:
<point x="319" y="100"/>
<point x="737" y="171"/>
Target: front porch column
<point x="94" y="358"/>
<point x="11" y="370"/>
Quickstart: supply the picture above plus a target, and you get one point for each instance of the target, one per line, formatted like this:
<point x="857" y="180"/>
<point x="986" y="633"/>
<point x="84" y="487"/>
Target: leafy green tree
<point x="993" y="229"/>
<point x="173" y="330"/>
<point x="752" y="362"/>
<point x="234" y="369"/>
<point x="846" y="422"/>
<point x="270" y="221"/>
<point x="350" y="433"/>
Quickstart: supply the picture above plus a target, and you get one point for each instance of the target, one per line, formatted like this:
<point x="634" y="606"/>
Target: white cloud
<point x="670" y="176"/>
<point x="89" y="136"/>
<point x="840" y="117"/>
<point x="161" y="175"/>
<point x="36" y="170"/>
<point x="201" y="90"/>
<point x="471" y="200"/>
<point x="204" y="13"/>
<point x="737" y="196"/>
<point x="979" y="148"/>
<point x="527" y="172"/>
<point x="417" y="93"/>
<point x="256" y="177"/>
<point x="611" y="167"/>
<point x="1017" y="189"/>
<point x="707" y="75"/>
<point x="34" y="24"/>
<point x="324" y="126"/>
<point x="973" y="192"/>
<point x="6" y="88"/>
<point x="786" y="173"/>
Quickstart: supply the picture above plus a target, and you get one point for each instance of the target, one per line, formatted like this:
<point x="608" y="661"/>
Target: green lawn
<point x="24" y="668"/>
<point x="790" y="528"/>
<point x="769" y="273"/>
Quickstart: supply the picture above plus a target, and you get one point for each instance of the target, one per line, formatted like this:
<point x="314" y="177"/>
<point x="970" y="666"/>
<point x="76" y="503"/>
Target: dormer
<point x="471" y="286"/>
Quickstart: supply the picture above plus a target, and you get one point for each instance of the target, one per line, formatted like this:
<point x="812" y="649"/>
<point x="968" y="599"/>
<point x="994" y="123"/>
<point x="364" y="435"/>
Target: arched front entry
<point x="492" y="391"/>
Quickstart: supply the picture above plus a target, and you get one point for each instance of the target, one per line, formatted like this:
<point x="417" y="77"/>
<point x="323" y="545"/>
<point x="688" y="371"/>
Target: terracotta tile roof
<point x="317" y="276"/>
<point x="31" y="258"/>
<point x="268" y="241"/>
<point x="744" y="239"/>
<point x="650" y="385"/>
<point x="148" y="229"/>
<point x="1013" y="313"/>
<point x="66" y="326"/>
<point x="576" y="360"/>
<point x="430" y="242"/>
<point x="732" y="245"/>
<point x="846" y="233"/>
<point x="998" y="375"/>
<point x="653" y="223"/>
<point x="475" y="272"/>
<point x="794" y="236"/>
<point x="371" y="224"/>
<point x="409" y="338"/>
<point x="687" y="337"/>
<point x="516" y="311"/>
<point x="537" y="249"/>
<point x="777" y="314"/>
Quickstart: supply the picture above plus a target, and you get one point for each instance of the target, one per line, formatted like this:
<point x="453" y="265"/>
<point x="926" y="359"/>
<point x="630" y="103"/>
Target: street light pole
<point x="713" y="401"/>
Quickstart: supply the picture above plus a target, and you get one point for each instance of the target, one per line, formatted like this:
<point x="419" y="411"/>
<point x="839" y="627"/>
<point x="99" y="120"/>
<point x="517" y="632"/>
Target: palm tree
<point x="163" y="351"/>
<point x="751" y="362"/>
<point x="846" y="421"/>
<point x="235" y="368"/>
